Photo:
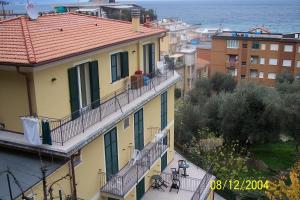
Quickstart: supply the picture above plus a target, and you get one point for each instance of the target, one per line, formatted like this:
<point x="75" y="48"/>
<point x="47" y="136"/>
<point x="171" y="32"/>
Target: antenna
<point x="32" y="12"/>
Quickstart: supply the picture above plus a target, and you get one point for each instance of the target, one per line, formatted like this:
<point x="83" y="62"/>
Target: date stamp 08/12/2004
<point x="241" y="185"/>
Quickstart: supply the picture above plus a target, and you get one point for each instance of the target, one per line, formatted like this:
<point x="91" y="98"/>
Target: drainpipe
<point x="72" y="172"/>
<point x="27" y="79"/>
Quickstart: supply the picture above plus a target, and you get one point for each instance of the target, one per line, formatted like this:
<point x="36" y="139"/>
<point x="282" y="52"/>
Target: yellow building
<point x="93" y="85"/>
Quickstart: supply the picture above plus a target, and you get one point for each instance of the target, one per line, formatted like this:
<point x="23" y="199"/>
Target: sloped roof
<point x="56" y="36"/>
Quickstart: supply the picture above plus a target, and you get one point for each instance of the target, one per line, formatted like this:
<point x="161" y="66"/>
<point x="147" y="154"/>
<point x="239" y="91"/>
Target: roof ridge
<point x="27" y="41"/>
<point x="10" y="19"/>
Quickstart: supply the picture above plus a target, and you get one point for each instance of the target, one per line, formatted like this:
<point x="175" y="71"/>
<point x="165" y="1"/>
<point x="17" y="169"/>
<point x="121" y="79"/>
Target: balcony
<point x="232" y="64"/>
<point x="72" y="132"/>
<point x="62" y="130"/>
<point x="122" y="182"/>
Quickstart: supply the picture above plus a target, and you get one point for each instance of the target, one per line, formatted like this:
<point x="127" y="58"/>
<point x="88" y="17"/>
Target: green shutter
<point x="140" y="189"/>
<point x="164" y="161"/>
<point x="113" y="67"/>
<point x="125" y="67"/>
<point x="73" y="88"/>
<point x="139" y="130"/>
<point x="111" y="152"/>
<point x="152" y="58"/>
<point x="94" y="83"/>
<point x="144" y="58"/>
<point x="164" y="110"/>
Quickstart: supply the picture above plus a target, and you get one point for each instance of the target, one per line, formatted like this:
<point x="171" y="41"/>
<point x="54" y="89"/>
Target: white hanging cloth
<point x="31" y="130"/>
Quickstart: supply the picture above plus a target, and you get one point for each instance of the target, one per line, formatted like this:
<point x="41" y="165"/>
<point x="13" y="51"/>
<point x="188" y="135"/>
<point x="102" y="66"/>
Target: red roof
<point x="56" y="36"/>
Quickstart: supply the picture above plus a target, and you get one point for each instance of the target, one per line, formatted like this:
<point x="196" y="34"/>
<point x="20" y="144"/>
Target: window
<point x="245" y="46"/>
<point x="261" y="75"/>
<point x="126" y="123"/>
<point x="274" y="47"/>
<point x="119" y="66"/>
<point x="139" y="129"/>
<point x="255" y="45"/>
<point x="263" y="46"/>
<point x="262" y="61"/>
<point x="232" y="59"/>
<point x="272" y="61"/>
<point x="288" y="48"/>
<point x="244" y="63"/>
<point x="232" y="72"/>
<point x="253" y="73"/>
<point x="84" y="84"/>
<point x="271" y="76"/>
<point x="298" y="64"/>
<point x="83" y="87"/>
<point x="254" y="59"/>
<point x="297" y="77"/>
<point x="243" y="76"/>
<point x="299" y="49"/>
<point x="287" y="63"/>
<point x="232" y="44"/>
<point x="149" y="58"/>
<point x="164" y="110"/>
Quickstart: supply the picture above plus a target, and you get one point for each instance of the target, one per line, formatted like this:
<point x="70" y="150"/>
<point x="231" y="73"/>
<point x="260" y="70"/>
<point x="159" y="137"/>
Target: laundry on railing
<point x="31" y="130"/>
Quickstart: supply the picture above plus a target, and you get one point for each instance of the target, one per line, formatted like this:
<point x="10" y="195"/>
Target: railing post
<point x="81" y="113"/>
<point x="100" y="110"/>
<point x="128" y="93"/>
<point x="115" y="101"/>
<point x="61" y="137"/>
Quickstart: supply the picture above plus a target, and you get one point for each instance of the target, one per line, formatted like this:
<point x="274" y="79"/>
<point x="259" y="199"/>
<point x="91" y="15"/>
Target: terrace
<point x="74" y="131"/>
<point x="194" y="187"/>
<point x="121" y="183"/>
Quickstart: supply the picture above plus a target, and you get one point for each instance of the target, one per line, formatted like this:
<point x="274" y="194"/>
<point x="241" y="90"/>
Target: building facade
<point x="255" y="56"/>
<point x="99" y="96"/>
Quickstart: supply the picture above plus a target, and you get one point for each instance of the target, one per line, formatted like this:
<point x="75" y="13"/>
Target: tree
<point x="222" y="82"/>
<point x="250" y="114"/>
<point x="285" y="77"/>
<point x="286" y="187"/>
<point x="290" y="109"/>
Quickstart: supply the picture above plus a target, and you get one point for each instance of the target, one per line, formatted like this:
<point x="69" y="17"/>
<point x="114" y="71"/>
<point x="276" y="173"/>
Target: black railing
<point x="203" y="184"/>
<point x="62" y="130"/>
<point x="122" y="182"/>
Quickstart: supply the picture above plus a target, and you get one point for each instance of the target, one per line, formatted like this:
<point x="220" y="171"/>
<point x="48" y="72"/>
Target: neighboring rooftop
<point x="258" y="35"/>
<point x="51" y="37"/>
<point x="26" y="168"/>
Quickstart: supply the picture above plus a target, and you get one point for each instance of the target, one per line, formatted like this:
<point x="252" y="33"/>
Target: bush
<point x="177" y="93"/>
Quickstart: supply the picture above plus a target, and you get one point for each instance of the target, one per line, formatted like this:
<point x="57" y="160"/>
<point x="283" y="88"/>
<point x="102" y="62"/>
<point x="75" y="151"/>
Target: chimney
<point x="135" y="19"/>
<point x="148" y="22"/>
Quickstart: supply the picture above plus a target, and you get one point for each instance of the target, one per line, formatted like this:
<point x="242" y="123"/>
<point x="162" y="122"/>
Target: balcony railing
<point x="201" y="187"/>
<point x="122" y="182"/>
<point x="62" y="130"/>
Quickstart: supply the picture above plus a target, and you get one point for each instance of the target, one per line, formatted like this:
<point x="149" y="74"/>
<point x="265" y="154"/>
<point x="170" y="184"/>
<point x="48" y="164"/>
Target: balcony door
<point x="111" y="153"/>
<point x="139" y="130"/>
<point x="149" y="58"/>
<point x="83" y="87"/>
<point x="164" y="162"/>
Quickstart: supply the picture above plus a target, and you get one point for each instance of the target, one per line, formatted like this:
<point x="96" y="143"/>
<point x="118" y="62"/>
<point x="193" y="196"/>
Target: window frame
<point x="275" y="49"/>
<point x="273" y="59"/>
<point x="289" y="63"/>
<point x="230" y="44"/>
<point x="288" y="50"/>
<point x="271" y="73"/>
<point x="119" y="66"/>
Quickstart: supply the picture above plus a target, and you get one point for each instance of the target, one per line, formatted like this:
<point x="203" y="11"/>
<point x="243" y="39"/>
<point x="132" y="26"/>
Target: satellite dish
<point x="32" y="12"/>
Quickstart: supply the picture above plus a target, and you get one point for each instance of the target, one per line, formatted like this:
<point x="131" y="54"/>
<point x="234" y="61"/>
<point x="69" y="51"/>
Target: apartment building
<point x="256" y="56"/>
<point x="104" y="110"/>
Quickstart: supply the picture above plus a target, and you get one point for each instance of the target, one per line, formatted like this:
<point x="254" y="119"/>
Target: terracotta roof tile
<point x="54" y="36"/>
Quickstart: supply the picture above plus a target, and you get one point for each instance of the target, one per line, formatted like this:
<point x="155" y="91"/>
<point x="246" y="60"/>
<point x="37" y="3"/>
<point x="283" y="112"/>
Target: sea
<point x="282" y="16"/>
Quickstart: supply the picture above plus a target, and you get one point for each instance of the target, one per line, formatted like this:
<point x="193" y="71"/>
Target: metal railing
<point x="203" y="184"/>
<point x="122" y="182"/>
<point x="62" y="130"/>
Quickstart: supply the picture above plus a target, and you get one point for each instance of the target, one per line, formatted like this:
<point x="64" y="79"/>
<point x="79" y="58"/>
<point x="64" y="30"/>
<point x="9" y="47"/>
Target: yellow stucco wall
<point x="165" y="44"/>
<point x="13" y="99"/>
